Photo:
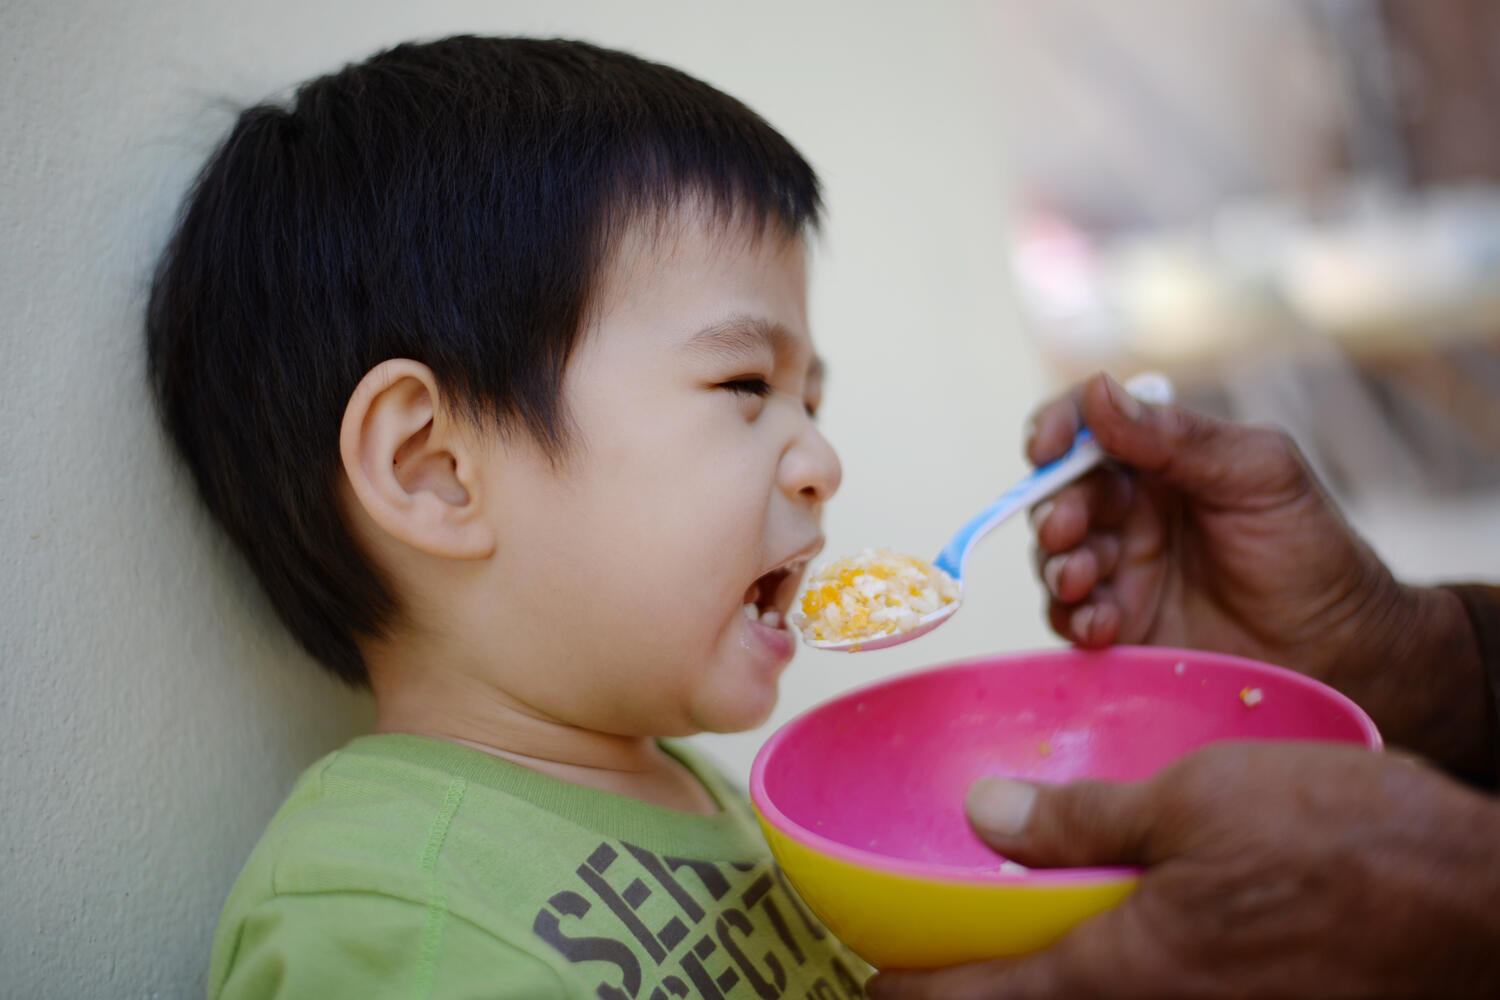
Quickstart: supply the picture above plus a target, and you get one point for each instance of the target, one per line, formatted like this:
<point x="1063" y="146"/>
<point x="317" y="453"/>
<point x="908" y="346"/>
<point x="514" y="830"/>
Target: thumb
<point x="1209" y="458"/>
<point x="1082" y="824"/>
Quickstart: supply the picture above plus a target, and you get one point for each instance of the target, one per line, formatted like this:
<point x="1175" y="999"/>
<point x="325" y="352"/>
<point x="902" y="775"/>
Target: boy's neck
<point x="465" y="710"/>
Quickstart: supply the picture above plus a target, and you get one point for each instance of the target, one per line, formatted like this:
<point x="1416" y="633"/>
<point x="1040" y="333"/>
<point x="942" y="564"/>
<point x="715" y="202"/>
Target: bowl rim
<point x="953" y="874"/>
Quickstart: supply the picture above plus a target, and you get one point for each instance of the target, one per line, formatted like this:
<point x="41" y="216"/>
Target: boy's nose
<point x="810" y="468"/>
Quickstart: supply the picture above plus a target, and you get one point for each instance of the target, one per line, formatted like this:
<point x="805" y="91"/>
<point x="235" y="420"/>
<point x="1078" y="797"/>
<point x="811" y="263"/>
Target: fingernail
<point x="1052" y="572"/>
<point x="1000" y="806"/>
<point x="1041" y="512"/>
<point x="1081" y="620"/>
<point x="1127" y="404"/>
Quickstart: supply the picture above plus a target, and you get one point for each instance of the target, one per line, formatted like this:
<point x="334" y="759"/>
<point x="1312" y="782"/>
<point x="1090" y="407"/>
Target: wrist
<point x="1418" y="672"/>
<point x="1450" y="876"/>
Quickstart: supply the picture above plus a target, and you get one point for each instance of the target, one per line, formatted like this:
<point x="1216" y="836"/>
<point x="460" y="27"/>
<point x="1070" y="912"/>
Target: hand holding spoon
<point x="1083" y="456"/>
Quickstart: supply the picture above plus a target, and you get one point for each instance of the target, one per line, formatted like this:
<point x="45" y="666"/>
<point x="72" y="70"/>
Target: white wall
<point x="153" y="712"/>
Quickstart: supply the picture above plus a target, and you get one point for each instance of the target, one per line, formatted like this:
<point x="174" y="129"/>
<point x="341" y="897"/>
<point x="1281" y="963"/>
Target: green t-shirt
<point x="416" y="868"/>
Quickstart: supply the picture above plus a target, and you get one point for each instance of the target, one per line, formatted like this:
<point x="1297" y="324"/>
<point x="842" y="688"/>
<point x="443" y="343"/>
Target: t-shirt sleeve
<point x="1482" y="603"/>
<point x="326" y="946"/>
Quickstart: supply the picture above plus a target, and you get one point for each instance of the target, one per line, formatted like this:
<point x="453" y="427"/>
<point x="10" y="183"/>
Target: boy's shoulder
<point x="446" y="864"/>
<point x="392" y="809"/>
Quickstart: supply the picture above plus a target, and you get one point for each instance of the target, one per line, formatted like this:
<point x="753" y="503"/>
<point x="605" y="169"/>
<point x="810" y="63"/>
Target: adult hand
<point x="1271" y="870"/>
<point x="1213" y="535"/>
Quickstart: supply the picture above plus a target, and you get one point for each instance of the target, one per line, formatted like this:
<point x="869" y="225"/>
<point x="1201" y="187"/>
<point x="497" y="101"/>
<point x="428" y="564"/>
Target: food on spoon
<point x="874" y="594"/>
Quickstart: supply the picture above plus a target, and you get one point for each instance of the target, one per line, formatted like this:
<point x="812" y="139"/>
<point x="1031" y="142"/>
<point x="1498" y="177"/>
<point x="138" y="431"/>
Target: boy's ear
<point x="413" y="467"/>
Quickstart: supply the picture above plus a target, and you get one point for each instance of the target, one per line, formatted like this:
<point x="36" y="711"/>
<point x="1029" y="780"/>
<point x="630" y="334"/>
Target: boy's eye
<point x="752" y="385"/>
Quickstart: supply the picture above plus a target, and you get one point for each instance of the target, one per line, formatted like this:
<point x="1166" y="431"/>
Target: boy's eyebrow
<point x="739" y="335"/>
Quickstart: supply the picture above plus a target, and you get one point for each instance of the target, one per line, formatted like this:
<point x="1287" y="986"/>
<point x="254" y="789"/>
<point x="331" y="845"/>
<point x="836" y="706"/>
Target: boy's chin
<point x="735" y="715"/>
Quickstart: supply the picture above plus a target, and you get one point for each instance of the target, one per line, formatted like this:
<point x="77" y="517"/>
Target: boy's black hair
<point x="452" y="202"/>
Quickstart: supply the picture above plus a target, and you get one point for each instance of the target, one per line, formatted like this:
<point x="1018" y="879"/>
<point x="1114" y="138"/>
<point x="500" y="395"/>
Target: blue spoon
<point x="1084" y="455"/>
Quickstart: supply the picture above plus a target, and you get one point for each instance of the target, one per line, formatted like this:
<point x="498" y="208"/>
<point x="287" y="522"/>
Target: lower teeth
<point x="770" y="619"/>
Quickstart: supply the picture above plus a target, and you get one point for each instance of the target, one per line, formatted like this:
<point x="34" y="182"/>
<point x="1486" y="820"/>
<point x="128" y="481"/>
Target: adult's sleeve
<point x="365" y="946"/>
<point x="1482" y="603"/>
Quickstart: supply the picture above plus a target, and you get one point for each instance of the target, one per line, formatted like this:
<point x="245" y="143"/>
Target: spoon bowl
<point x="925" y="624"/>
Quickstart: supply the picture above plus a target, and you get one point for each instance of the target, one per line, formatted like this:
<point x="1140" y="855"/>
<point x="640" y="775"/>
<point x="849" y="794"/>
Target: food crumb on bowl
<point x="873" y="594"/>
<point x="1251" y="696"/>
<point x="1044" y="748"/>
<point x="1180" y="668"/>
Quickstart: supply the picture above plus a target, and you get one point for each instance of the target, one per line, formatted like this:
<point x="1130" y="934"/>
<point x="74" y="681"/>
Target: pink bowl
<point x="876" y="777"/>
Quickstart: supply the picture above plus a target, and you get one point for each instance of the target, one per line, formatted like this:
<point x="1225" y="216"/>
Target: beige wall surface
<point x="153" y="711"/>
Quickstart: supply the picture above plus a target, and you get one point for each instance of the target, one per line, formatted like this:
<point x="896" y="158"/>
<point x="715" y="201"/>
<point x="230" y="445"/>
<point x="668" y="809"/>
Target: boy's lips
<point x="776" y="642"/>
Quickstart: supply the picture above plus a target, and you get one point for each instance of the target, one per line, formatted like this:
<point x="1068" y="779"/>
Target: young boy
<point x="492" y="356"/>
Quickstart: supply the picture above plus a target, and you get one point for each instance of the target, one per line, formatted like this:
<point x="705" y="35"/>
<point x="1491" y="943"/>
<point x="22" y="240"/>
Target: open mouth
<point x="768" y="598"/>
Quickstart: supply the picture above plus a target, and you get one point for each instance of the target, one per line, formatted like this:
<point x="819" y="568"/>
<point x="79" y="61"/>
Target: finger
<point x="1058" y="615"/>
<point x="1212" y="459"/>
<point x="1062" y="519"/>
<point x="1093" y="624"/>
<point x="1112" y="493"/>
<point x="976" y="981"/>
<point x="1096" y="625"/>
<point x="1051" y="429"/>
<point x="1082" y="824"/>
<point x="1110" y="954"/>
<point x="1100" y="500"/>
<point x="1071" y="576"/>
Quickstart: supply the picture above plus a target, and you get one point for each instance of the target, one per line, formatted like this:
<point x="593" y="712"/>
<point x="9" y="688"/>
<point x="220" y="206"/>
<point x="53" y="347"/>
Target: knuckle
<point x="1182" y="426"/>
<point x="1284" y="463"/>
<point x="1069" y="814"/>
<point x="1106" y="549"/>
<point x="1276" y="443"/>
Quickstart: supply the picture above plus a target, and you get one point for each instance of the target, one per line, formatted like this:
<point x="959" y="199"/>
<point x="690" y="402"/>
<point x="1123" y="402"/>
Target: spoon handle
<point x="1084" y="455"/>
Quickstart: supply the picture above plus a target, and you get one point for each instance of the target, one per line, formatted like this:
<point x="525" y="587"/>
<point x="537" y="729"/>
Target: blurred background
<point x="1290" y="206"/>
